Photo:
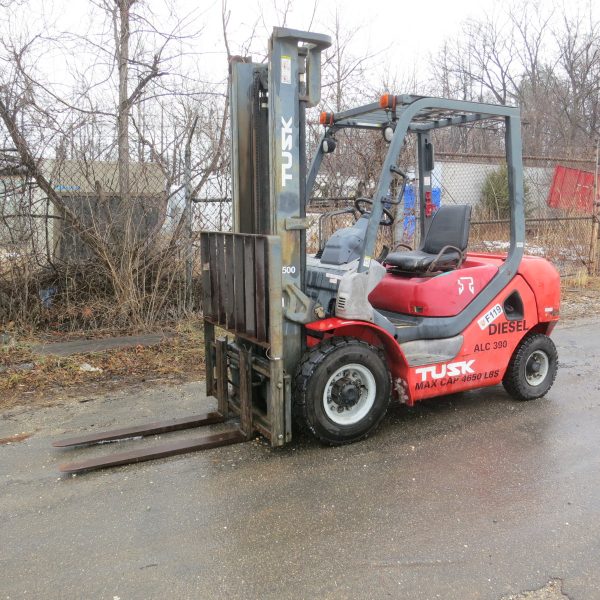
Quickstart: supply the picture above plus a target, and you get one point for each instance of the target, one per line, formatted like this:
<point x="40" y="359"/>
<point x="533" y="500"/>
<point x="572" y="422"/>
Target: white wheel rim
<point x="537" y="367"/>
<point x="359" y="376"/>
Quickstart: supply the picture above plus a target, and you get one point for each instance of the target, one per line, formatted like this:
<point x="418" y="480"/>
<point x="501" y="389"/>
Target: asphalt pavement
<point x="472" y="496"/>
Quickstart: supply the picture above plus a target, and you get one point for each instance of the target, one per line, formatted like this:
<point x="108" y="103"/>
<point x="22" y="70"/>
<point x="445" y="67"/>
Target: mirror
<point x="428" y="158"/>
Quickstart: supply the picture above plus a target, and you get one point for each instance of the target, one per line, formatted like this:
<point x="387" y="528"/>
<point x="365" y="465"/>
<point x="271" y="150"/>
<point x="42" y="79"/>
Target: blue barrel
<point x="410" y="210"/>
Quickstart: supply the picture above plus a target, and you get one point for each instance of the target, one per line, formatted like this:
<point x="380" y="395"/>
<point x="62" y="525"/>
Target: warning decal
<point x="286" y="69"/>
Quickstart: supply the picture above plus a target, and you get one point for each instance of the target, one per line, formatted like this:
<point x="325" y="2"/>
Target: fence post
<point x="189" y="256"/>
<point x="593" y="258"/>
<point x="593" y="246"/>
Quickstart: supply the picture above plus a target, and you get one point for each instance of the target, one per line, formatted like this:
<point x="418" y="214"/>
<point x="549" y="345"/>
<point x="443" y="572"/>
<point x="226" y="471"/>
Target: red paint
<point x="363" y="330"/>
<point x="368" y="332"/>
<point x="485" y="353"/>
<point x="444" y="295"/>
<point x="428" y="204"/>
<point x="572" y="189"/>
<point x="544" y="281"/>
<point x="490" y="349"/>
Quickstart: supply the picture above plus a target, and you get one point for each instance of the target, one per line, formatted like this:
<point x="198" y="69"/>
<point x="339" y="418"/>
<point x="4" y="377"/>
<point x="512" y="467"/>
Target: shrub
<point x="494" y="202"/>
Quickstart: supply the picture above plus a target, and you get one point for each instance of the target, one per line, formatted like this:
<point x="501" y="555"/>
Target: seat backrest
<point x="449" y="227"/>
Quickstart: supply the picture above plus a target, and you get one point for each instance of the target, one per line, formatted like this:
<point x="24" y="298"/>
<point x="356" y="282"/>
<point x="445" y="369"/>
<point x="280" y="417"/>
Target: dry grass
<point x="27" y="378"/>
<point x="580" y="296"/>
<point x="564" y="243"/>
<point x="581" y="280"/>
<point x="15" y="439"/>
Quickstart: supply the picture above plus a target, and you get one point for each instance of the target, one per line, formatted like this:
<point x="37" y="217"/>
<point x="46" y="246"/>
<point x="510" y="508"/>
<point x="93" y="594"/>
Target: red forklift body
<point x="444" y="295"/>
<point x="530" y="303"/>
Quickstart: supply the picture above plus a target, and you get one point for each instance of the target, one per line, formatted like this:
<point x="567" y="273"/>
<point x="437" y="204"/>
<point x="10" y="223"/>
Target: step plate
<point x="204" y="442"/>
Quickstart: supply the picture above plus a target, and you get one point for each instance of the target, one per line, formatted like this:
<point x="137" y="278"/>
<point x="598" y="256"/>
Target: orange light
<point x="326" y="118"/>
<point x="387" y="101"/>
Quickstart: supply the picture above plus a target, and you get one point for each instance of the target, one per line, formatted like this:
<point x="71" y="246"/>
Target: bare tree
<point x="345" y="79"/>
<point x="128" y="228"/>
<point x="545" y="62"/>
<point x="578" y="92"/>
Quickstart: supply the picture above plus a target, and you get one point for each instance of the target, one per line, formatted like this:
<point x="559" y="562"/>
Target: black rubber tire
<point x="515" y="382"/>
<point x="312" y="375"/>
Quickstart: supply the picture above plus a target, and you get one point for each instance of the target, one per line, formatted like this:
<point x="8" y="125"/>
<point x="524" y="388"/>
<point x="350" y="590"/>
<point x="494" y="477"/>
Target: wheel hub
<point x="349" y="394"/>
<point x="536" y="368"/>
<point x="345" y="393"/>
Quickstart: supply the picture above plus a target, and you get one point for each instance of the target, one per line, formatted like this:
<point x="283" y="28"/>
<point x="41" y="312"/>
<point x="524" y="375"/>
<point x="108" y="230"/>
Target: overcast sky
<point x="402" y="34"/>
<point x="412" y="30"/>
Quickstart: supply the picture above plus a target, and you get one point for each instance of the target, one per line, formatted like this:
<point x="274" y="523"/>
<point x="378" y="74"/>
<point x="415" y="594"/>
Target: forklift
<point x="324" y="342"/>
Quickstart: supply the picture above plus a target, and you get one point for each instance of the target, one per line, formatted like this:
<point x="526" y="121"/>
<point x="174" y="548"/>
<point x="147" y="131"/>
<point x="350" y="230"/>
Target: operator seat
<point x="443" y="247"/>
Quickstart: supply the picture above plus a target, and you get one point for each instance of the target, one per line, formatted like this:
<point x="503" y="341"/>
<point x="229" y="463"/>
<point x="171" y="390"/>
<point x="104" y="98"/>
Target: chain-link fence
<point x="79" y="245"/>
<point x="213" y="215"/>
<point x="85" y="202"/>
<point x="558" y="205"/>
<point x="91" y="244"/>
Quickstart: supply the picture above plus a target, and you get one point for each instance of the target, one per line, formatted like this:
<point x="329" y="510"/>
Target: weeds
<point x="29" y="378"/>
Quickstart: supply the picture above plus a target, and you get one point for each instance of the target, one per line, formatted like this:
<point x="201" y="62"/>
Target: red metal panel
<point x="485" y="352"/>
<point x="544" y="280"/>
<point x="442" y="296"/>
<point x="571" y="189"/>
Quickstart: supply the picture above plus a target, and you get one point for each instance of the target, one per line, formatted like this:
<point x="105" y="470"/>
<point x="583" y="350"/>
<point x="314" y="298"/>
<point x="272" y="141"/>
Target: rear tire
<point x="532" y="368"/>
<point x="342" y="390"/>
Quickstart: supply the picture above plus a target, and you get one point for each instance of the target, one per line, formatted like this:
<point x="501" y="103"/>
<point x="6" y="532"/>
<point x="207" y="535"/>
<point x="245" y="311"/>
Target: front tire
<point x="342" y="390"/>
<point x="532" y="368"/>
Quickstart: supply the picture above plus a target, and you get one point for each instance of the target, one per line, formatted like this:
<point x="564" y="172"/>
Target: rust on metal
<point x="238" y="283"/>
<point x="228" y="290"/>
<point x="144" y="454"/>
<point x="261" y="279"/>
<point x="207" y="283"/>
<point x="141" y="430"/>
<point x="236" y="272"/>
<point x="245" y="393"/>
<point x="209" y="359"/>
<point x="221" y="384"/>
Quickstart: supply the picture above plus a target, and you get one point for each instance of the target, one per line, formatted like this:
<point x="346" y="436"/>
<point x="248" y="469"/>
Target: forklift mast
<point x="253" y="277"/>
<point x="268" y="106"/>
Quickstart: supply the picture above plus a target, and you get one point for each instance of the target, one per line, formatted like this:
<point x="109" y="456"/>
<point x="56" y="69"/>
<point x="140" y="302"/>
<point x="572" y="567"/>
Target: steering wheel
<point x="358" y="204"/>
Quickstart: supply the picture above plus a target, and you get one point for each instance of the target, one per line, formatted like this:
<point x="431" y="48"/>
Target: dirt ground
<point x="580" y="301"/>
<point x="28" y="377"/>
